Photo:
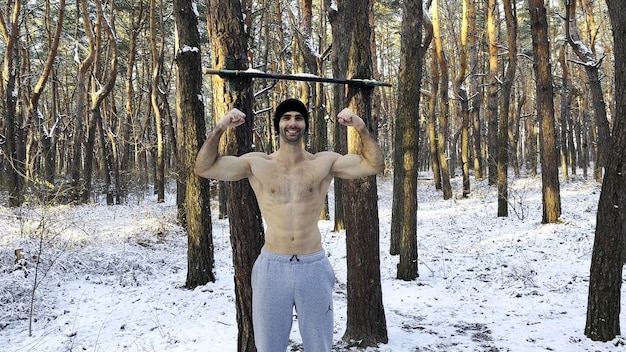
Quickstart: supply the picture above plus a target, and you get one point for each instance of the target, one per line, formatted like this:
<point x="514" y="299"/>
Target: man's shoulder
<point x="256" y="156"/>
<point x="325" y="155"/>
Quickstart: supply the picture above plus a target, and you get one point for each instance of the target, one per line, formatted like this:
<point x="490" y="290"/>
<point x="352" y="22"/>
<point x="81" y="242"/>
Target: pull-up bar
<point x="297" y="77"/>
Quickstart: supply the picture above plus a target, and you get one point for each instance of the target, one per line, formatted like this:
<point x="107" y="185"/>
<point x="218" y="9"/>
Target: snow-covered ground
<point x="111" y="277"/>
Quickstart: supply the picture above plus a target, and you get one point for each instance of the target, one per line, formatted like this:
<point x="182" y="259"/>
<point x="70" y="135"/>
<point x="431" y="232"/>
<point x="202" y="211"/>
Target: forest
<point x="104" y="100"/>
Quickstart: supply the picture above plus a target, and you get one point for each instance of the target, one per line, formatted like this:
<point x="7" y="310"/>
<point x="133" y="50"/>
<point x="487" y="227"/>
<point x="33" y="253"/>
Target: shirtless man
<point x="290" y="186"/>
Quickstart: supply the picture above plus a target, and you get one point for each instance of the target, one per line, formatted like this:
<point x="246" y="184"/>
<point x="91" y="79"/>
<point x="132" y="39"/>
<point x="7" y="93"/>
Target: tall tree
<point x="156" y="93"/>
<point x="342" y="26"/>
<point x="196" y="209"/>
<point x="461" y="94"/>
<point x="406" y="138"/>
<point x="493" y="20"/>
<point x="318" y="140"/>
<point x="78" y="135"/>
<point x="229" y="51"/>
<point x="503" y="125"/>
<point x="475" y="89"/>
<point x="592" y="68"/>
<point x="125" y="128"/>
<point x="441" y="61"/>
<point x="551" y="196"/>
<point x="99" y="92"/>
<point x="15" y="148"/>
<point x="43" y="131"/>
<point x="365" y="313"/>
<point x="607" y="260"/>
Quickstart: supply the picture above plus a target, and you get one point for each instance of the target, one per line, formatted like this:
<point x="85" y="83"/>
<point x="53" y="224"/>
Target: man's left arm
<point x="369" y="162"/>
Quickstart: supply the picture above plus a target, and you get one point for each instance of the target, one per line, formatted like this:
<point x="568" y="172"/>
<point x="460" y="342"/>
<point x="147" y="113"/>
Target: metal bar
<point x="297" y="77"/>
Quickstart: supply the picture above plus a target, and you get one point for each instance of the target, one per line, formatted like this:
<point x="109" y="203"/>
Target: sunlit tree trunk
<point x="591" y="66"/>
<point x="155" y="93"/>
<point x="365" y="313"/>
<point x="406" y="141"/>
<point x="503" y="123"/>
<point x="551" y="197"/>
<point x="605" y="279"/>
<point x="476" y="93"/>
<point x="565" y="113"/>
<point x="461" y="94"/>
<point x="444" y="109"/>
<point x="126" y="130"/>
<point x="78" y="135"/>
<point x="318" y="139"/>
<point x="229" y="51"/>
<point x="492" y="91"/>
<point x="98" y="94"/>
<point x="14" y="150"/>
<point x="45" y="132"/>
<point x="196" y="209"/>
<point x="342" y="26"/>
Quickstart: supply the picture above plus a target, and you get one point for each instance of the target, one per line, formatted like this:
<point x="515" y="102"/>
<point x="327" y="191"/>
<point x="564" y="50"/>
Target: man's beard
<point x="295" y="138"/>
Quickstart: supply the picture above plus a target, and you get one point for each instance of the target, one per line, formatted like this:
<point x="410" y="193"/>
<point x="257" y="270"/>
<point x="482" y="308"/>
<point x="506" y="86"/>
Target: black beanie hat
<point x="291" y="105"/>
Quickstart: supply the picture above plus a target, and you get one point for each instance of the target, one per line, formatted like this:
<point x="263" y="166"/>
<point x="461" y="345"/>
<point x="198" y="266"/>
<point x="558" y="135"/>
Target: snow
<point x="111" y="278"/>
<point x="187" y="48"/>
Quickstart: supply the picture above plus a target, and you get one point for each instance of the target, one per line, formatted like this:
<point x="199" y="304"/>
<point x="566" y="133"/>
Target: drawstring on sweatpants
<point x="294" y="256"/>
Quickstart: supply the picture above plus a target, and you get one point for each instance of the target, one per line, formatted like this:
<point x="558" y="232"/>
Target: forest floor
<point x="111" y="278"/>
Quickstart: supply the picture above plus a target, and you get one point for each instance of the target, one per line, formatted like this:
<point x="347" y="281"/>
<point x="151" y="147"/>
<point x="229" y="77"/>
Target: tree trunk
<point x="78" y="136"/>
<point x="229" y="49"/>
<point x="155" y="89"/>
<point x="97" y="96"/>
<point x="342" y="25"/>
<point x="191" y="130"/>
<point x="566" y="111"/>
<point x="592" y="68"/>
<point x="476" y="100"/>
<point x="14" y="130"/>
<point x="545" y="110"/>
<point x="461" y="94"/>
<point x="406" y="140"/>
<point x="503" y="124"/>
<point x="432" y="125"/>
<point x="318" y="140"/>
<point x="365" y="313"/>
<point x="444" y="115"/>
<point x="44" y="132"/>
<point x="493" y="90"/>
<point x="605" y="279"/>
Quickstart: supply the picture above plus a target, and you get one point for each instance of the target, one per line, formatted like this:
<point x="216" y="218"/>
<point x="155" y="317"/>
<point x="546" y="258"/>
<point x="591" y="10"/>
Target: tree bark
<point x="365" y="313"/>
<point x="229" y="49"/>
<point x="476" y="100"/>
<point x="444" y="112"/>
<point x="503" y="125"/>
<point x="406" y="141"/>
<point x="191" y="128"/>
<point x="14" y="131"/>
<point x="565" y="113"/>
<point x="342" y="25"/>
<point x="551" y="197"/>
<point x="597" y="96"/>
<point x="461" y="95"/>
<point x="492" y="91"/>
<point x="605" y="279"/>
<point x="155" y="94"/>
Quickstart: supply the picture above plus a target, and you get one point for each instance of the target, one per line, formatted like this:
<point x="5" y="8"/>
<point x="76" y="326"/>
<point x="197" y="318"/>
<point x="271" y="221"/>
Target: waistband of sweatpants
<point x="293" y="258"/>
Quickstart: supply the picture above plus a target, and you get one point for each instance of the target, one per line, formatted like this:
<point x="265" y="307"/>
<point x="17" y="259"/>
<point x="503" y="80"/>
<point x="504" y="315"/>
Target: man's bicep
<point x="229" y="168"/>
<point x="348" y="166"/>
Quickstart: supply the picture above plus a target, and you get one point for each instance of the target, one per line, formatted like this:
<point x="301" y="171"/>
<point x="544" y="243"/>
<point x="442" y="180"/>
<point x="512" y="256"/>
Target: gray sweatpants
<point x="282" y="282"/>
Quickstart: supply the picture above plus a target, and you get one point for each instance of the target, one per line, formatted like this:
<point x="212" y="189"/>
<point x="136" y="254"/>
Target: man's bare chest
<point x="292" y="184"/>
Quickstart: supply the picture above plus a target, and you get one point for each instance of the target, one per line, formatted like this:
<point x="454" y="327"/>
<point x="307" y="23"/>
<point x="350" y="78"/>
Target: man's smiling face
<point x="292" y="126"/>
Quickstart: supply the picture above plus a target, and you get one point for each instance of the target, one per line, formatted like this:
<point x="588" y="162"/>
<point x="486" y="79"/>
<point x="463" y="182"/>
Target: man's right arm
<point x="209" y="164"/>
